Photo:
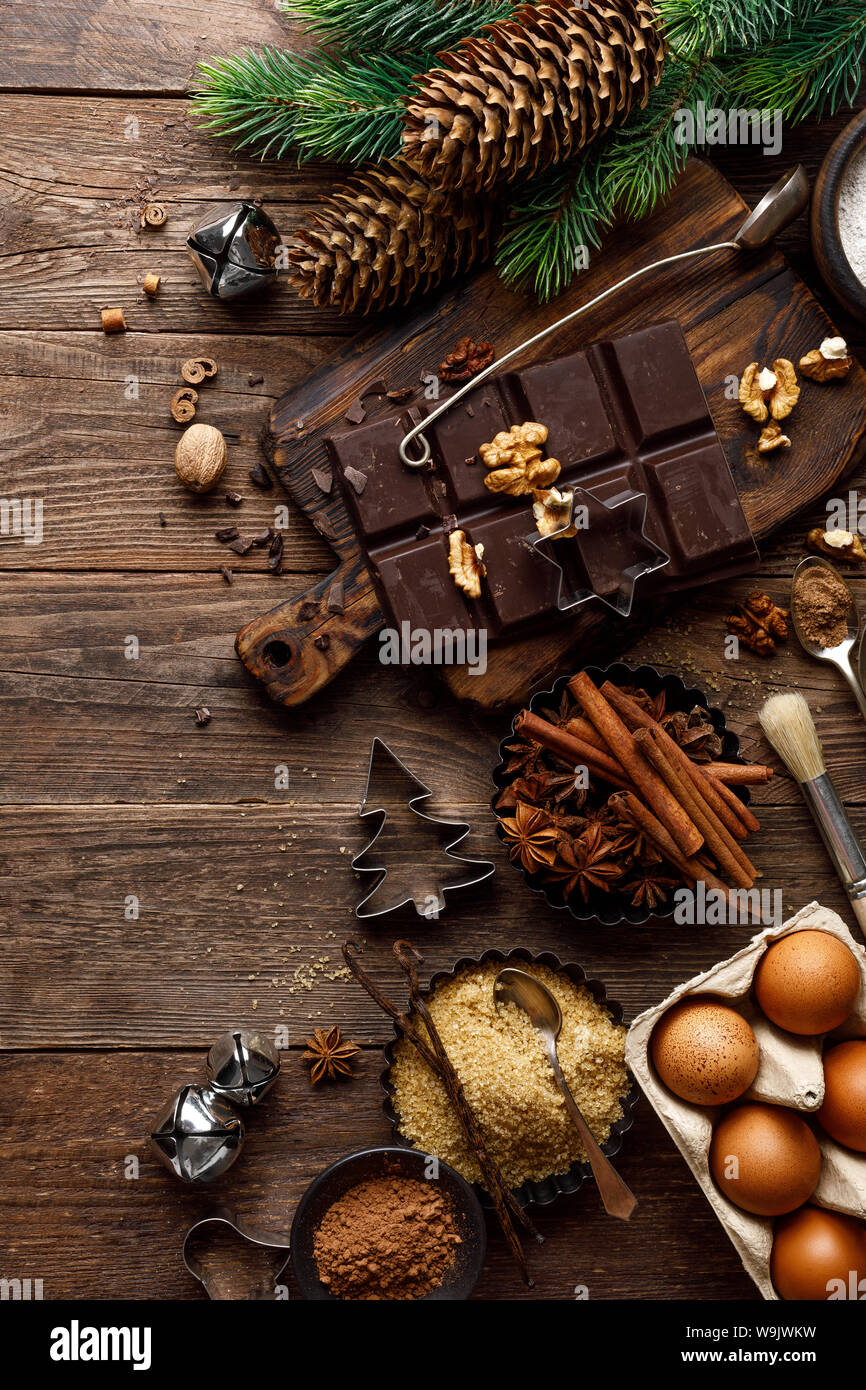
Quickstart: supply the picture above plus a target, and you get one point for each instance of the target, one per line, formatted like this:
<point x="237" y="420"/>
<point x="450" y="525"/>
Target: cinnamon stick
<point x="581" y="728"/>
<point x="739" y="774"/>
<point x="721" y="844"/>
<point x="635" y="717"/>
<point x="576" y="750"/>
<point x="654" y="790"/>
<point x="745" y="817"/>
<point x="691" y="868"/>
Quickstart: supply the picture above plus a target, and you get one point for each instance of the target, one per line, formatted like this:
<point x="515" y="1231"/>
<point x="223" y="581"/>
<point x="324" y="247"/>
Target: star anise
<point x="601" y="818"/>
<point x="531" y="837"/>
<point x="525" y="759"/>
<point x="649" y="888"/>
<point x="653" y="705"/>
<point x="631" y="845"/>
<point x="560" y="717"/>
<point x="586" y="863"/>
<point x="699" y="739"/>
<point x="329" y="1055"/>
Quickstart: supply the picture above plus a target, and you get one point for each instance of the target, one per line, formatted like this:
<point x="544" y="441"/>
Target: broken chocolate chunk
<point x="357" y="479"/>
<point x="308" y="610"/>
<point x="242" y="546"/>
<point x="203" y="716"/>
<point x="324" y="525"/>
<point x="234" y="499"/>
<point x="261" y="478"/>
<point x="254" y="380"/>
<point x="336" y="602"/>
<point x="323" y="478"/>
<point x="422" y="533"/>
<point x="323" y="641"/>
<point x="275" y="553"/>
<point x="226" y="534"/>
<point x="356" y="414"/>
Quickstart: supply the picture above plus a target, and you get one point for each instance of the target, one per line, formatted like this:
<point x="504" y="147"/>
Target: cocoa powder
<point x="821" y="601"/>
<point x="386" y="1238"/>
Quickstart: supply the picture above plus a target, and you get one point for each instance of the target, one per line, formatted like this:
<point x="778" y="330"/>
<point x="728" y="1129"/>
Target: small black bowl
<point x="827" y="245"/>
<point x="382" y="1162"/>
<point x="542" y="1192"/>
<point x="613" y="909"/>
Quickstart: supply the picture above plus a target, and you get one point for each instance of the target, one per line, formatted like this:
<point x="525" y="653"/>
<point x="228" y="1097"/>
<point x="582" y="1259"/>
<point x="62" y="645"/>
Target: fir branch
<point x="324" y="107"/>
<point x="395" y="26"/>
<point x="813" y="73"/>
<point x="555" y="217"/>
<point x="704" y="28"/>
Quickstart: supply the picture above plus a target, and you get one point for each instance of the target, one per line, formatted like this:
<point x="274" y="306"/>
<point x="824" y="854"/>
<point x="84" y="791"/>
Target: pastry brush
<point x="788" y="724"/>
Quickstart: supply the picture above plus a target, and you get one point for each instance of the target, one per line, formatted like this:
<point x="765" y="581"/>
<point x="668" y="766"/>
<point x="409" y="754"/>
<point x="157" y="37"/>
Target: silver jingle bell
<point x="197" y="1134"/>
<point x="235" y="250"/>
<point x="243" y="1066"/>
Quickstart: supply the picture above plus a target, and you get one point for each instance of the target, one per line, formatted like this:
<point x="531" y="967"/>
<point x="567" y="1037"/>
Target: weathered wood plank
<point x="127" y="45"/>
<point x="71" y="1122"/>
<point x="75" y="972"/>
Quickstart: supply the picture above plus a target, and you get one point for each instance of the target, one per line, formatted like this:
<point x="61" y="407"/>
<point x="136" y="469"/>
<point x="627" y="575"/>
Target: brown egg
<point x="807" y="982"/>
<point x="818" y="1254"/>
<point x="704" y="1051"/>
<point x="765" y="1159"/>
<point x="843" y="1113"/>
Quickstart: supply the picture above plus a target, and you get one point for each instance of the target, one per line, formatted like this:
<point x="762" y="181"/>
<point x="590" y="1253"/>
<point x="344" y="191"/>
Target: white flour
<point x="852" y="214"/>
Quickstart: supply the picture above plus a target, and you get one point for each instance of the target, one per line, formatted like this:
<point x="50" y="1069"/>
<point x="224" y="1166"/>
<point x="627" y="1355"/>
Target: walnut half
<point x="829" y="362"/>
<point x="842" y="545"/>
<point x="764" y="392"/>
<point x="464" y="563"/>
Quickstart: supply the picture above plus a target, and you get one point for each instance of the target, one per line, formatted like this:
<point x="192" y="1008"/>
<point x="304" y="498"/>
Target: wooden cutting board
<point x="734" y="308"/>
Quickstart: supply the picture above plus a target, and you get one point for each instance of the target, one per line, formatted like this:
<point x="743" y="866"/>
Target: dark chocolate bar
<point x="627" y="415"/>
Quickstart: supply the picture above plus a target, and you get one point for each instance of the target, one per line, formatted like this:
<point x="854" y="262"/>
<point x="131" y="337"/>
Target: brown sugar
<point x="821" y="603"/>
<point x="386" y="1239"/>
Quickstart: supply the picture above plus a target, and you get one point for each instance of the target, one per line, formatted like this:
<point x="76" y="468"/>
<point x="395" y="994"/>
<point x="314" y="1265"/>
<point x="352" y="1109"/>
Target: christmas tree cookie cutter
<point x="400" y="876"/>
<point x="779" y="206"/>
<point x="609" y="568"/>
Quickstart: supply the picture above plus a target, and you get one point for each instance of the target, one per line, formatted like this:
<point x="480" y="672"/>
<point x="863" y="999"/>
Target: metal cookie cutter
<point x="417" y="883"/>
<point x="780" y="205"/>
<point x="624" y="551"/>
<point x="223" y="1216"/>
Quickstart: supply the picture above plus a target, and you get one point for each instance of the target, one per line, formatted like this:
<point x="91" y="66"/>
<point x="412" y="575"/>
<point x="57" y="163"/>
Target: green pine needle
<point x="551" y="223"/>
<point x="702" y="28"/>
<point x="323" y="107"/>
<point x="813" y="73"/>
<point x="387" y="26"/>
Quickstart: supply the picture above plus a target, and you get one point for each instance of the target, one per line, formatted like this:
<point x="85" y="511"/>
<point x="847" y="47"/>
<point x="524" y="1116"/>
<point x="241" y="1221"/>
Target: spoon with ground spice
<point x="826" y="618"/>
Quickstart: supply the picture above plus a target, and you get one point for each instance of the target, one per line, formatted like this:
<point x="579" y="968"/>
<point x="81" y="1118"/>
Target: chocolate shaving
<point x="262" y="538"/>
<point x="324" y="525"/>
<point x="226" y="534"/>
<point x="260" y="478"/>
<point x="323" y="641"/>
<point x="162" y="520"/>
<point x="203" y="716"/>
<point x="355" y="478"/>
<point x="323" y="478"/>
<point x="234" y="499"/>
<point x="336" y="601"/>
<point x="356" y="414"/>
<point x="226" y="573"/>
<point x="400" y="396"/>
<point x="275" y="554"/>
<point x="422" y="533"/>
<point x="449" y="523"/>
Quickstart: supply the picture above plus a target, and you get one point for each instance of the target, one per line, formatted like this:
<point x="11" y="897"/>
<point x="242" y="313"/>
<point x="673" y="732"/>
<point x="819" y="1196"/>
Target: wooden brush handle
<point x="298" y="647"/>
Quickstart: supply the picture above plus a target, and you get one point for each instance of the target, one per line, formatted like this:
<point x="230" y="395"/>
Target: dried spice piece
<point x="694" y="732"/>
<point x="113" y="321"/>
<point x="356" y="479"/>
<point x="531" y="838"/>
<point x="323" y="478"/>
<point x="759" y="624"/>
<point x="275" y="554"/>
<point x="153" y="215"/>
<point x="329" y="1055"/>
<point x="150" y="284"/>
<point x="336" y="600"/>
<point x="259" y="477"/>
<point x="233" y="499"/>
<point x="196" y="369"/>
<point x="649" y="888"/>
<point x="465" y="564"/>
<point x="842" y="545"/>
<point x="226" y="534"/>
<point x="466" y="360"/>
<point x="183" y="404"/>
<point x="203" y="715"/>
<point x="829" y="362"/>
<point x="586" y="863"/>
<point x="255" y="379"/>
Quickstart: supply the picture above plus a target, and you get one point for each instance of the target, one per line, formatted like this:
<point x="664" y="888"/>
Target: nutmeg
<point x="200" y="458"/>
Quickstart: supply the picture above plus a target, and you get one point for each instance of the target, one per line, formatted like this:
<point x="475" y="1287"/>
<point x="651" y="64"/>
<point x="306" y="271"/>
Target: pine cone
<point x="385" y="235"/>
<point x="534" y="90"/>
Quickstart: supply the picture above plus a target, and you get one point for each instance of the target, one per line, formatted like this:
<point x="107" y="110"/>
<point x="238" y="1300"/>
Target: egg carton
<point x="790" y="1073"/>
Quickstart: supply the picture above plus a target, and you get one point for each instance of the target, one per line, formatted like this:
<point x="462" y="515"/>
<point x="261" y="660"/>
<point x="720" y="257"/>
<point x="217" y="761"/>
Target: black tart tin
<point x="614" y="909"/>
<point x="389" y="1161"/>
<point x="544" y="1191"/>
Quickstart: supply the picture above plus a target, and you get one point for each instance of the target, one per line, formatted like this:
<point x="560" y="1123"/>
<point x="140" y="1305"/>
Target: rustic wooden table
<point x="109" y="790"/>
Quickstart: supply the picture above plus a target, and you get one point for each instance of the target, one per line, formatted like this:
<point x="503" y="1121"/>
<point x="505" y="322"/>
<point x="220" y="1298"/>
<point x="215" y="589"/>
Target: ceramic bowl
<point x="399" y="1162"/>
<point x="545" y="1190"/>
<point x="612" y="908"/>
<point x="826" y="242"/>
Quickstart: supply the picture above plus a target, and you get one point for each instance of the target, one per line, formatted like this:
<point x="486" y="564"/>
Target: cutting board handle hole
<point x="278" y="653"/>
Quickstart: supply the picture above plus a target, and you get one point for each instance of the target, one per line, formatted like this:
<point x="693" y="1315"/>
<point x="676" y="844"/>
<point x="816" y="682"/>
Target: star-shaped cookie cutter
<point x="623" y="518"/>
<point x="451" y="833"/>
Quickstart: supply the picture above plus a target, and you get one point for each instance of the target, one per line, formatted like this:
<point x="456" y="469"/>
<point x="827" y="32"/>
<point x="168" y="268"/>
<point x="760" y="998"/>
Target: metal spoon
<point x="520" y="988"/>
<point x="840" y="655"/>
